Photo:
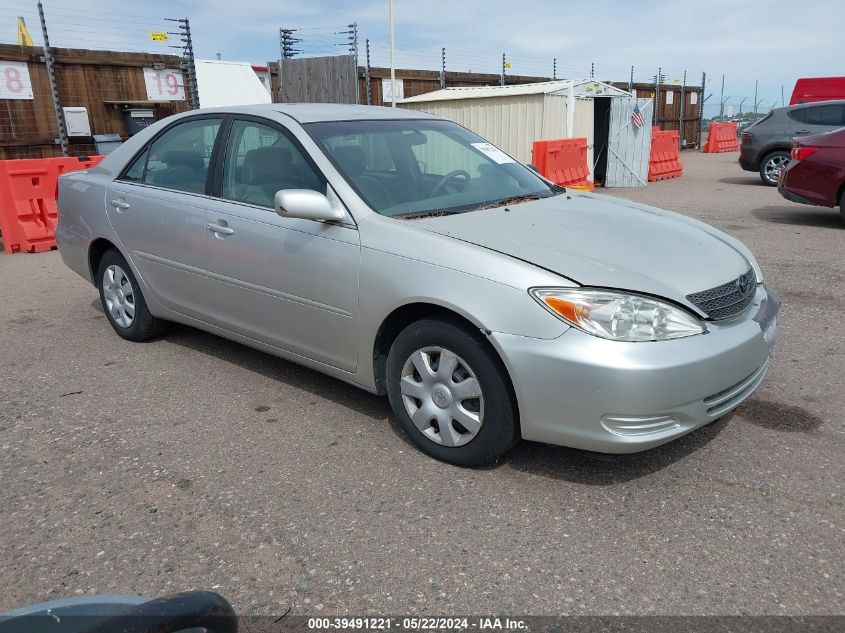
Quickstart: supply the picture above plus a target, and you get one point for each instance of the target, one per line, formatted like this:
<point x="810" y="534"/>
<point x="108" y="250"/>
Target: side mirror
<point x="306" y="204"/>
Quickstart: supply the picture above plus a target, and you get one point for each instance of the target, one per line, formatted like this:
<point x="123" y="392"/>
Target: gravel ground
<point x="194" y="463"/>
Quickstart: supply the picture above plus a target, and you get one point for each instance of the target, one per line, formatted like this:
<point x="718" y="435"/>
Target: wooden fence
<point x="103" y="82"/>
<point x="315" y="80"/>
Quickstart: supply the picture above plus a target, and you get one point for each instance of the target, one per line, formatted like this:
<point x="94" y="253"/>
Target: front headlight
<point x="618" y="316"/>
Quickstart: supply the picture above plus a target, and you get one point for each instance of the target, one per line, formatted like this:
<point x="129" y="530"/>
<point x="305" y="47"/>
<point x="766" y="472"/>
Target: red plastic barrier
<point x="28" y="189"/>
<point x="664" y="162"/>
<point x="563" y="161"/>
<point x="721" y="138"/>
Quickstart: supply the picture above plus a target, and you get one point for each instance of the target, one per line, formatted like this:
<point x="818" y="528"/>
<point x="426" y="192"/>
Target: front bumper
<point x="586" y="392"/>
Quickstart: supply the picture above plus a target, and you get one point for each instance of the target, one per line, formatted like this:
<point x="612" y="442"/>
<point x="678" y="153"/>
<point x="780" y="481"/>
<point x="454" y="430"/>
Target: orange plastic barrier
<point x="721" y="138"/>
<point x="563" y="161"/>
<point x="664" y="162"/>
<point x="28" y="190"/>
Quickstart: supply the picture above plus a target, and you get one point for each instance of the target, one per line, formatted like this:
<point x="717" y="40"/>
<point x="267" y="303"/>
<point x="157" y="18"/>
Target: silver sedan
<point x="402" y="253"/>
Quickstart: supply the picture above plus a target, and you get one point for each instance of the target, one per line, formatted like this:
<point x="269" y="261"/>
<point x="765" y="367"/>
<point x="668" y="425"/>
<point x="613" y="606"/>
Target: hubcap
<point x="442" y="396"/>
<point x="774" y="166"/>
<point x="119" y="296"/>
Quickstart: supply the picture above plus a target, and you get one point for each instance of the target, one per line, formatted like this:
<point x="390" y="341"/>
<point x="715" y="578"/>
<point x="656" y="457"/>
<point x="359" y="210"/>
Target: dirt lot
<point x="194" y="463"/>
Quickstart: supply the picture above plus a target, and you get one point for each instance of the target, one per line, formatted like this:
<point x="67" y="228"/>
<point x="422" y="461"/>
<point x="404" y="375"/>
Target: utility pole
<point x="631" y="80"/>
<point x="592" y="70"/>
<point x="367" y="72"/>
<point x="54" y="89"/>
<point x="722" y="99"/>
<point x="554" y="68"/>
<point x="504" y="63"/>
<point x="781" y="95"/>
<point x="740" y="104"/>
<point x="443" y="68"/>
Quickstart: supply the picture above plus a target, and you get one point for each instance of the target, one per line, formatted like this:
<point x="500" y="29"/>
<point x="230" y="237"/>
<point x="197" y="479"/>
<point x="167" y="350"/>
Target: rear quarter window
<point x="799" y="115"/>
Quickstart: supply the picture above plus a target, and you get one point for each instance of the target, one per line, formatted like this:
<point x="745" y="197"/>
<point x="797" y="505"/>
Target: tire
<point x="842" y="204"/>
<point x="123" y="303"/>
<point x="771" y="166"/>
<point x="466" y="431"/>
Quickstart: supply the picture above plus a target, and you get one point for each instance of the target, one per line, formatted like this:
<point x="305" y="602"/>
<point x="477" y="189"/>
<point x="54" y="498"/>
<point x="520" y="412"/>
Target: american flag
<point x="637" y="117"/>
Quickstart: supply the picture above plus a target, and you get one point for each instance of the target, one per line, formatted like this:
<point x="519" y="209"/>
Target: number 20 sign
<point x="164" y="85"/>
<point x="14" y="81"/>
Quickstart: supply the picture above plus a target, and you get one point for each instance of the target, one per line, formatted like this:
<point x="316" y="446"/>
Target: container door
<point x="629" y="144"/>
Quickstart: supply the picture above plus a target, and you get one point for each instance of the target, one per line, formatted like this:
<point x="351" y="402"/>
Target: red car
<point x="816" y="173"/>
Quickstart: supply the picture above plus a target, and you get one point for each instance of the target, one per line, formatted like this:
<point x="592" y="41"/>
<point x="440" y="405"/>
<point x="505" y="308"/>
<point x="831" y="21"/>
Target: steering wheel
<point x="452" y="174"/>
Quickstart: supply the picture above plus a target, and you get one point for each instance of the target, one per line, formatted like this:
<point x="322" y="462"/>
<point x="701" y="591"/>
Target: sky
<point x="772" y="43"/>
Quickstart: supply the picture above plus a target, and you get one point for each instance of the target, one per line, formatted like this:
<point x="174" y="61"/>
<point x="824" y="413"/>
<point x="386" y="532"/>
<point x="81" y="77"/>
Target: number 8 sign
<point x="14" y="81"/>
<point x="164" y="85"/>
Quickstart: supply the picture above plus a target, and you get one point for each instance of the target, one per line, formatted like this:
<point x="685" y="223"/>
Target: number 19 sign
<point x="14" y="81"/>
<point x="164" y="85"/>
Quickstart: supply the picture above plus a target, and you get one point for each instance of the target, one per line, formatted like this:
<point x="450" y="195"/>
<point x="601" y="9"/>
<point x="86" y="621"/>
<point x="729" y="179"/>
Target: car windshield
<point x="416" y="168"/>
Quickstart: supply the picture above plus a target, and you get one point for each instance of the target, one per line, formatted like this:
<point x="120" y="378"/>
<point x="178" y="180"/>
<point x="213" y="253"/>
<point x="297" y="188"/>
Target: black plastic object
<point x="136" y="119"/>
<point x="190" y="610"/>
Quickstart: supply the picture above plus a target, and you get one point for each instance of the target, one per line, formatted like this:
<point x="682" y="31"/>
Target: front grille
<point x="727" y="300"/>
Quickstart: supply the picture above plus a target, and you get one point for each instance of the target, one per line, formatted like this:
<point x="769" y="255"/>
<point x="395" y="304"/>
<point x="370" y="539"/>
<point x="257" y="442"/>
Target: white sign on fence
<point x="693" y="98"/>
<point x="387" y="91"/>
<point x="14" y="81"/>
<point x="164" y="85"/>
<point x="670" y="97"/>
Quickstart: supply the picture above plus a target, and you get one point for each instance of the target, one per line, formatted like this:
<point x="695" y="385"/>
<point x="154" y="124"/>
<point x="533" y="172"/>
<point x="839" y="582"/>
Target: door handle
<point x="803" y="132"/>
<point x="220" y="230"/>
<point x="119" y="204"/>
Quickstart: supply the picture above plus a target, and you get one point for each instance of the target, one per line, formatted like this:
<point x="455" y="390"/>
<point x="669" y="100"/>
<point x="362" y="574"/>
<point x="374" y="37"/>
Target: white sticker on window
<point x="493" y="153"/>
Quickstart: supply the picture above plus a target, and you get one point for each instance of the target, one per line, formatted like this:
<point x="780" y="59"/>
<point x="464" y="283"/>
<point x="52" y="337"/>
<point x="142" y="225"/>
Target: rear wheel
<point x="450" y="393"/>
<point x="771" y="166"/>
<point x="122" y="300"/>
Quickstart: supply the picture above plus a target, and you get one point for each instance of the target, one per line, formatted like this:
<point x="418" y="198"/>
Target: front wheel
<point x="450" y="393"/>
<point x="122" y="300"/>
<point x="771" y="167"/>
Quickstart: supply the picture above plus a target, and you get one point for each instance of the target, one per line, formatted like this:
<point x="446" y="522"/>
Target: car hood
<point x="597" y="240"/>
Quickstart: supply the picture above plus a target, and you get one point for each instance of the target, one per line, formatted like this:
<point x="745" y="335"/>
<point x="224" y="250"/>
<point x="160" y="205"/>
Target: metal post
<point x="392" y="65"/>
<point x="744" y="99"/>
<point x="554" y="68"/>
<point x="51" y="76"/>
<point x="189" y="69"/>
<point x="657" y="97"/>
<point x="631" y="80"/>
<point x="443" y="68"/>
<point x="722" y="99"/>
<point x="755" y="98"/>
<point x="681" y="120"/>
<point x="592" y="70"/>
<point x="502" y="81"/>
<point x="781" y="95"/>
<point x="353" y="50"/>
<point x="701" y="101"/>
<point x="367" y="73"/>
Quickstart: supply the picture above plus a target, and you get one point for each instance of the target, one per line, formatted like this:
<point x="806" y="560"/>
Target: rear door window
<point x="179" y="158"/>
<point x="829" y="115"/>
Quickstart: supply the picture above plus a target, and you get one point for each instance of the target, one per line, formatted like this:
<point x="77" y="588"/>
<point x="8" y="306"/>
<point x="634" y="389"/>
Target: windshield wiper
<point x="434" y="213"/>
<point x="509" y="201"/>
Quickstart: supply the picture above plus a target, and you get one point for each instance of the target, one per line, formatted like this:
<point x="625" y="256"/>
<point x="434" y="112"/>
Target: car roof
<point x="796" y="106"/>
<point x="321" y="112"/>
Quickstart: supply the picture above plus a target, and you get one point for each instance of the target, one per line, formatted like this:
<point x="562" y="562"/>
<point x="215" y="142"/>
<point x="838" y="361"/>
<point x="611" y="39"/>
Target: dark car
<point x="816" y="173"/>
<point x="765" y="146"/>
